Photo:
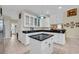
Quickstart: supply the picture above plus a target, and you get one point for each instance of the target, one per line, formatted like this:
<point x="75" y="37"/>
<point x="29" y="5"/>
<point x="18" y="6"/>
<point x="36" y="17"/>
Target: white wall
<point x="7" y="27"/>
<point x="71" y="32"/>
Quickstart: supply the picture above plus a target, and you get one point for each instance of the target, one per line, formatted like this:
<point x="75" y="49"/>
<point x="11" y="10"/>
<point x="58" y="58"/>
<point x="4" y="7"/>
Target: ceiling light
<point x="47" y="12"/>
<point x="59" y="7"/>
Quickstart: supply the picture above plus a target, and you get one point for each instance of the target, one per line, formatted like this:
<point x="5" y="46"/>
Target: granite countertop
<point x="41" y="37"/>
<point x="54" y="31"/>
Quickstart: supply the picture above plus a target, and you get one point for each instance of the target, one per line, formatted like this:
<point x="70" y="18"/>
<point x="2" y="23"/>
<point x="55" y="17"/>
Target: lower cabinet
<point x="22" y="38"/>
<point x="47" y="46"/>
<point x="27" y="40"/>
<point x="41" y="47"/>
<point x="59" y="38"/>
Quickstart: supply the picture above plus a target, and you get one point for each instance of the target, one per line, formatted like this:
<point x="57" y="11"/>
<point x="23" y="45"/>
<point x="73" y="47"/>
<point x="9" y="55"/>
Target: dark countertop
<point x="54" y="31"/>
<point x="41" y="37"/>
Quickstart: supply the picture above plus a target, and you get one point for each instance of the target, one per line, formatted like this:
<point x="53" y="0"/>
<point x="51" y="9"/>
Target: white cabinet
<point x="47" y="46"/>
<point x="37" y="22"/>
<point x="59" y="38"/>
<point x="33" y="21"/>
<point x="29" y="20"/>
<point x="41" y="47"/>
<point x="45" y="22"/>
<point x="26" y="20"/>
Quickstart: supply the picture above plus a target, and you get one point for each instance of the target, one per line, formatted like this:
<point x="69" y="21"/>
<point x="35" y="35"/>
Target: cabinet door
<point x="26" y="21"/>
<point x="59" y="38"/>
<point x="45" y="22"/>
<point x="37" y="22"/>
<point x="51" y="45"/>
<point x="47" y="46"/>
<point x="31" y="22"/>
<point x="27" y="40"/>
<point x="55" y="38"/>
<point x="41" y="22"/>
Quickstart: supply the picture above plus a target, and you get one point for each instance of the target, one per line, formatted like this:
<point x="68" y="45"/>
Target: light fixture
<point x="42" y="17"/>
<point x="59" y="7"/>
<point x="47" y="12"/>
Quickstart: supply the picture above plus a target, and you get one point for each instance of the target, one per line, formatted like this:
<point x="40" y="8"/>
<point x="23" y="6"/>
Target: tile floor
<point x="1" y="46"/>
<point x="71" y="47"/>
<point x="13" y="46"/>
<point x="1" y="43"/>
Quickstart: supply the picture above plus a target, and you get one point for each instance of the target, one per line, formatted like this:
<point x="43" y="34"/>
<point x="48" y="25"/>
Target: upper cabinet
<point x="30" y="20"/>
<point x="45" y="22"/>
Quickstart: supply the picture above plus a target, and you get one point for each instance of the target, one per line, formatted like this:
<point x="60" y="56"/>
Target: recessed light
<point x="59" y="7"/>
<point x="47" y="12"/>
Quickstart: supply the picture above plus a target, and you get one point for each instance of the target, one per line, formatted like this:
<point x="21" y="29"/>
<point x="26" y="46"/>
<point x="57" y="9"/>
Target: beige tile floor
<point x="1" y="46"/>
<point x="71" y="47"/>
<point x="13" y="46"/>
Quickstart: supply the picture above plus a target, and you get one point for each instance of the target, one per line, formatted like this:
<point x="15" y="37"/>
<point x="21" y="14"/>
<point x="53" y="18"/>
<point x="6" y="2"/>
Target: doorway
<point x="1" y="36"/>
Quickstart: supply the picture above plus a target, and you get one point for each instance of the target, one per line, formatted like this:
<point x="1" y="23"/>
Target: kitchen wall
<point x="71" y="32"/>
<point x="7" y="26"/>
<point x="56" y="19"/>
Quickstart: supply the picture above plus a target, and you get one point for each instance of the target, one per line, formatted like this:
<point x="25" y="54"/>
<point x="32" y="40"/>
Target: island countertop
<point x="54" y="31"/>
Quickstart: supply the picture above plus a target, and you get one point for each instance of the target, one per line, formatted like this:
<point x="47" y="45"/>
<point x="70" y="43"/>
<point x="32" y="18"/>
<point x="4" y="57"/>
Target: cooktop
<point x="41" y="36"/>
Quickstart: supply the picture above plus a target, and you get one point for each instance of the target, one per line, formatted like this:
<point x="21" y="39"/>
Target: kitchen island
<point x="59" y="35"/>
<point x="37" y="38"/>
<point x="41" y="43"/>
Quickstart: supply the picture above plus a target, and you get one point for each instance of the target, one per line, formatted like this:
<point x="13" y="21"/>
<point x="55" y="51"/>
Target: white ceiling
<point x="13" y="10"/>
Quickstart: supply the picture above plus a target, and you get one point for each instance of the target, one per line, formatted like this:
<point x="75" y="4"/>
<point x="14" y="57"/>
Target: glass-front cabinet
<point x="27" y="20"/>
<point x="31" y="21"/>
<point x="35" y="21"/>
